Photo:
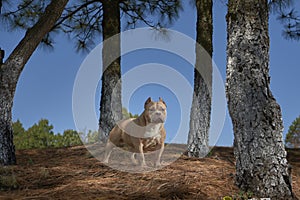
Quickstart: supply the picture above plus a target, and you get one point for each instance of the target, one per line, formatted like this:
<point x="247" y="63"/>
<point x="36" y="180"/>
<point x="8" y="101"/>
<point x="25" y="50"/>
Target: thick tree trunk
<point x="198" y="145"/>
<point x="261" y="165"/>
<point x="7" y="148"/>
<point x="11" y="70"/>
<point x="110" y="104"/>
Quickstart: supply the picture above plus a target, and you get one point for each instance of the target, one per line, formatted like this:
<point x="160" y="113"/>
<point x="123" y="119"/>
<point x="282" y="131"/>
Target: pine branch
<point x="139" y="11"/>
<point x="82" y="19"/>
<point x="290" y="19"/>
<point x="292" y="25"/>
<point x="20" y="8"/>
<point x="72" y="13"/>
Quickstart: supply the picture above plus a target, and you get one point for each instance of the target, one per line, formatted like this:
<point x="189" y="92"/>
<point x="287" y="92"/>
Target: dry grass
<point x="72" y="173"/>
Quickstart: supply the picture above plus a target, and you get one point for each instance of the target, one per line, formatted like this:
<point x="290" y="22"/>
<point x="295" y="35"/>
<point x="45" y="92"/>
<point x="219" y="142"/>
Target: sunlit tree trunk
<point x="110" y="103"/>
<point x="261" y="164"/>
<point x="11" y="69"/>
<point x="198" y="145"/>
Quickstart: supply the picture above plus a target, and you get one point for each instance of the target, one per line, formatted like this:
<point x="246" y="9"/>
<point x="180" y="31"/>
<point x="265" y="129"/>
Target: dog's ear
<point x="147" y="101"/>
<point x="161" y="100"/>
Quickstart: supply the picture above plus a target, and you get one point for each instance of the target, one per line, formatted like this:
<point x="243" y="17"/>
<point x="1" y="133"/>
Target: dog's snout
<point x="158" y="114"/>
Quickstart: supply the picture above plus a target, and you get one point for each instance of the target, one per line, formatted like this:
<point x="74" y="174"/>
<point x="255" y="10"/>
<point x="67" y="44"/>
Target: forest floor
<point x="73" y="173"/>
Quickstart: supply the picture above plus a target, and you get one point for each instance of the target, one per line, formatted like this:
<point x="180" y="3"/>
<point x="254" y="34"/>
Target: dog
<point x="143" y="134"/>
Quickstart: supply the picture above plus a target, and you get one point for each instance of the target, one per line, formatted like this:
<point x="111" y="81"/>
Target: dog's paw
<point x="157" y="164"/>
<point x="135" y="161"/>
<point x="144" y="165"/>
<point x="105" y="161"/>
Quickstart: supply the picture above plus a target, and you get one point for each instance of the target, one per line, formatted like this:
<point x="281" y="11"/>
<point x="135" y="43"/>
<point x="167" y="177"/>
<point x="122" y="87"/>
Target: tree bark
<point x="261" y="164"/>
<point x="198" y="145"/>
<point x="11" y="69"/>
<point x="110" y="103"/>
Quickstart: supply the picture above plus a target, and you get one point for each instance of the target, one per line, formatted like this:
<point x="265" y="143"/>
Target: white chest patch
<point x="152" y="130"/>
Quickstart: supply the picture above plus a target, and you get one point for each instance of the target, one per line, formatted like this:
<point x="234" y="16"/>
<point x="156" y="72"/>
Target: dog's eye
<point x="162" y="109"/>
<point x="151" y="109"/>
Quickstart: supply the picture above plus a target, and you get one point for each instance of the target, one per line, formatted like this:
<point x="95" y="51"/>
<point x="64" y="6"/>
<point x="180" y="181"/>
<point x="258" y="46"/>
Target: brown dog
<point x="142" y="134"/>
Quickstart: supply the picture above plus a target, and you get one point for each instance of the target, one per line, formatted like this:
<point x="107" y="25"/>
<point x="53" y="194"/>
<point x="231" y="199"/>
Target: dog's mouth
<point x="158" y="120"/>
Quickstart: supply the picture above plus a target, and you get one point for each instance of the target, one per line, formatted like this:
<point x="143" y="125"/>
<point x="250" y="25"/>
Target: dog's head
<point x="156" y="112"/>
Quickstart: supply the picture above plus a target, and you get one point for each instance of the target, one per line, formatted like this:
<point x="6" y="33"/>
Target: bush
<point x="41" y="135"/>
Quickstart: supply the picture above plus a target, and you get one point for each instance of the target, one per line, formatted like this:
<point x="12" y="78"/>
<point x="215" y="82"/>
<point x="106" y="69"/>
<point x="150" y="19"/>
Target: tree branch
<point x="73" y="13"/>
<point x="34" y="35"/>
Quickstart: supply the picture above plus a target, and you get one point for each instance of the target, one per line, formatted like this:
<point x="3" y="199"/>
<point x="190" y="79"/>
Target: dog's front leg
<point x="158" y="154"/>
<point x="141" y="151"/>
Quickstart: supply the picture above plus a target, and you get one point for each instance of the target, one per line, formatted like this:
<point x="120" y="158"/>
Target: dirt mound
<point x="72" y="173"/>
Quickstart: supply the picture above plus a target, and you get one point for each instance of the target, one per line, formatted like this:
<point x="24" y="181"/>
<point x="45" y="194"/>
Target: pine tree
<point x="198" y="137"/>
<point x="261" y="164"/>
<point x="71" y="138"/>
<point x="12" y="67"/>
<point x="293" y="136"/>
<point x="40" y="134"/>
<point x="18" y="128"/>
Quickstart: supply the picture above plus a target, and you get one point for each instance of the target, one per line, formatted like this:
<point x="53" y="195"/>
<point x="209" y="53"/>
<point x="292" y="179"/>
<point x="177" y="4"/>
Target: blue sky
<point x="46" y="84"/>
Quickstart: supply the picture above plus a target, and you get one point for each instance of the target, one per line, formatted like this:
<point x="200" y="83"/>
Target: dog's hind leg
<point x="133" y="159"/>
<point x="108" y="149"/>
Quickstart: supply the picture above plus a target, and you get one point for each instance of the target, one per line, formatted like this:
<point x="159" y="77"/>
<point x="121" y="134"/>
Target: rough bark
<point x="198" y="145"/>
<point x="261" y="164"/>
<point x="110" y="103"/>
<point x="11" y="69"/>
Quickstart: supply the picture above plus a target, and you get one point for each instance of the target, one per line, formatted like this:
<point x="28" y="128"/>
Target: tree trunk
<point x="110" y="103"/>
<point x="11" y="70"/>
<point x="198" y="145"/>
<point x="261" y="164"/>
<point x="7" y="148"/>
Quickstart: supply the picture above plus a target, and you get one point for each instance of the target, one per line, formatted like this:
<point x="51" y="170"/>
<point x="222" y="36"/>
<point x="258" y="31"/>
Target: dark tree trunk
<point x="201" y="106"/>
<point x="261" y="165"/>
<point x="7" y="148"/>
<point x="11" y="69"/>
<point x="110" y="104"/>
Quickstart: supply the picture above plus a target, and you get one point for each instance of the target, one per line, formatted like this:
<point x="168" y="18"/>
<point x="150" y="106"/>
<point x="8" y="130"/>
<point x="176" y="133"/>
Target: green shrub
<point x="41" y="135"/>
<point x="8" y="179"/>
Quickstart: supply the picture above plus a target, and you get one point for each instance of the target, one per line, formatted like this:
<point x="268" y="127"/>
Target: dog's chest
<point x="152" y="130"/>
<point x="152" y="136"/>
